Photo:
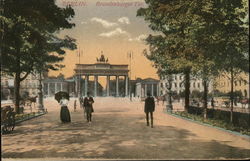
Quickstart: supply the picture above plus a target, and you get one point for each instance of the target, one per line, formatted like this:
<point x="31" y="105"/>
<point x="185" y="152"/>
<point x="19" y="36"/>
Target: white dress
<point x="64" y="102"/>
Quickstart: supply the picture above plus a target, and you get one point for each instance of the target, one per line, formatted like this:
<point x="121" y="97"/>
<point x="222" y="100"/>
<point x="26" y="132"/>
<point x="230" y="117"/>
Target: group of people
<point x="87" y="105"/>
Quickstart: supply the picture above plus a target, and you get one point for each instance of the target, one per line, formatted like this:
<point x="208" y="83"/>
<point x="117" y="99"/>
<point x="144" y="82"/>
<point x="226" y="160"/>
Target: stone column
<point x="48" y="89"/>
<point x="126" y="86"/>
<point x="95" y="84"/>
<point x="157" y="90"/>
<point x="145" y="92"/>
<point x="76" y="86"/>
<point x="152" y="88"/>
<point x="61" y="86"/>
<point x="117" y="86"/>
<point x="86" y="84"/>
<point x="79" y="86"/>
<point x="142" y="90"/>
<point x="108" y="79"/>
<point x="55" y="87"/>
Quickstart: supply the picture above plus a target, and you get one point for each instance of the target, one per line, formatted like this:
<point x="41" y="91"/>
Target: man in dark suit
<point x="88" y="105"/>
<point x="149" y="108"/>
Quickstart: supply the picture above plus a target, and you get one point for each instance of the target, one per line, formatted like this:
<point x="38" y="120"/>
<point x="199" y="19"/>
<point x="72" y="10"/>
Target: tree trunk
<point x="17" y="81"/>
<point x="169" y="100"/>
<point x="187" y="89"/>
<point x="205" y="98"/>
<point x="16" y="91"/>
<point x="232" y="96"/>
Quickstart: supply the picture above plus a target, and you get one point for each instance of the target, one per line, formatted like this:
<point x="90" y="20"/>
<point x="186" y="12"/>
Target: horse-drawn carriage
<point x="7" y="118"/>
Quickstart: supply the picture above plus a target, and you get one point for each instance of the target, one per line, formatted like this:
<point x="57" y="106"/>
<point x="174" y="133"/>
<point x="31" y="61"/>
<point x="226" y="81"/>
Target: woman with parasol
<point x="63" y="100"/>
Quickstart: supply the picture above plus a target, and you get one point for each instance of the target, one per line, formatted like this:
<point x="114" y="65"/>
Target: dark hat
<point x="148" y="94"/>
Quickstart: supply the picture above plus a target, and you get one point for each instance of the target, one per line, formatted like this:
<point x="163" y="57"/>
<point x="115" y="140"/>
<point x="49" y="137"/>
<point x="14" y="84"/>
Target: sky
<point x="110" y="26"/>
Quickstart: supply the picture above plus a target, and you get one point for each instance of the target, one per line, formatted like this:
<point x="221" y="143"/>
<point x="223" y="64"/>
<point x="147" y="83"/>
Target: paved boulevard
<point x="119" y="131"/>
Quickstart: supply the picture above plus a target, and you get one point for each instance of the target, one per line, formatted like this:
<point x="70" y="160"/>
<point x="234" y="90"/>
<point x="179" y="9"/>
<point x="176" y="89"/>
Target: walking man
<point x="212" y="102"/>
<point x="88" y="105"/>
<point x="149" y="108"/>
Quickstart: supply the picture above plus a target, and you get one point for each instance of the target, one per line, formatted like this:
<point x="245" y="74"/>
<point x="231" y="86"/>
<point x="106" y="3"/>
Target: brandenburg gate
<point x="101" y="68"/>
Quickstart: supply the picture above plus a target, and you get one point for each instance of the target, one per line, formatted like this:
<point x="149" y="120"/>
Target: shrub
<point x="220" y="118"/>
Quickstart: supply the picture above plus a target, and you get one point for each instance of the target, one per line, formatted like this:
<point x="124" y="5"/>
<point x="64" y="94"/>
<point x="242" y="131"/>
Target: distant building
<point x="52" y="85"/>
<point x="7" y="87"/>
<point x="223" y="84"/>
<point x="148" y="85"/>
<point x="71" y="86"/>
<point x="28" y="86"/>
<point x="178" y="84"/>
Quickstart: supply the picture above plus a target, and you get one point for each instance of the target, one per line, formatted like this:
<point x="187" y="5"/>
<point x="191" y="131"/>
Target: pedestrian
<point x="75" y="106"/>
<point x="158" y="100"/>
<point x="88" y="105"/>
<point x="163" y="99"/>
<point x="149" y="108"/>
<point x="81" y="101"/>
<point x="64" y="114"/>
<point x="82" y="106"/>
<point x="212" y="102"/>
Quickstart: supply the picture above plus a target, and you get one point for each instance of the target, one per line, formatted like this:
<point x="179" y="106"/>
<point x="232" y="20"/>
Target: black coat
<point x="88" y="106"/>
<point x="149" y="104"/>
<point x="86" y="102"/>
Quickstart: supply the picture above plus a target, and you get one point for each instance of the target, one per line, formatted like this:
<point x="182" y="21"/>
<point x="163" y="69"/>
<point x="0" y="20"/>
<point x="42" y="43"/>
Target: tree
<point x="223" y="39"/>
<point x="176" y="24"/>
<point x="28" y="29"/>
<point x="199" y="36"/>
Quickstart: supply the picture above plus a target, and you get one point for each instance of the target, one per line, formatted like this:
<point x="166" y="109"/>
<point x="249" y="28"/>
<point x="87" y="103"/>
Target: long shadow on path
<point x="114" y="135"/>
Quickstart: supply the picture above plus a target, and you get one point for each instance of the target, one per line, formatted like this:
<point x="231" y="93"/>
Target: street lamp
<point x="130" y="56"/>
<point x="79" y="53"/>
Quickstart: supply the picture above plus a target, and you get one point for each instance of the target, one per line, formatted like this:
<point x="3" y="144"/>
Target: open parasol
<point x="60" y="95"/>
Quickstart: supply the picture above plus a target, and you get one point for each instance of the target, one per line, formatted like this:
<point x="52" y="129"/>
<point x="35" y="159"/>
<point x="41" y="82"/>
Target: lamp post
<point x="130" y="56"/>
<point x="79" y="53"/>
<point x="169" y="105"/>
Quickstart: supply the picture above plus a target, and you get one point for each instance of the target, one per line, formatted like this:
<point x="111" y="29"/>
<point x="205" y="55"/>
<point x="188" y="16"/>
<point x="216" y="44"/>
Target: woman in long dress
<point x="64" y="114"/>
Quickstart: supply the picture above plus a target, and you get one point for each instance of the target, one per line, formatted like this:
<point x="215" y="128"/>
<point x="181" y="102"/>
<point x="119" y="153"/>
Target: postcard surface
<point x="101" y="80"/>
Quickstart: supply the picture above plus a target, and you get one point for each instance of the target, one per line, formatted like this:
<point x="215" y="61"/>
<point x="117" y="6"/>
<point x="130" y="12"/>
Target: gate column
<point x="95" y="84"/>
<point x="117" y="86"/>
<point x="145" y="92"/>
<point x="86" y="84"/>
<point x="126" y="86"/>
<point x="152" y="88"/>
<point x="108" y="79"/>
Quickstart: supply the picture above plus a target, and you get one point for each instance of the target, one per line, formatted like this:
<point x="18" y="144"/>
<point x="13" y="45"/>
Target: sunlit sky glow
<point x="115" y="30"/>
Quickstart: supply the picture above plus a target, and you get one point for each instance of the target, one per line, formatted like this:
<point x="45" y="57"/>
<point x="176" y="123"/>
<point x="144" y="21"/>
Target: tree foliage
<point x="203" y="37"/>
<point x="29" y="29"/>
<point x="29" y="37"/>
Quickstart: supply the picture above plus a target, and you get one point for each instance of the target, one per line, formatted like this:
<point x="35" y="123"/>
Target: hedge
<point x="239" y="119"/>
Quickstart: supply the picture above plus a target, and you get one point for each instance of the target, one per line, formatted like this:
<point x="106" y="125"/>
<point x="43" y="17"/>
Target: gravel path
<point x="119" y="131"/>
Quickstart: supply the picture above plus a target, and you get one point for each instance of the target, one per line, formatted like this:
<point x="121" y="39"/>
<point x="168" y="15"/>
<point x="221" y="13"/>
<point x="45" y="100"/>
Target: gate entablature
<point x="101" y="69"/>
